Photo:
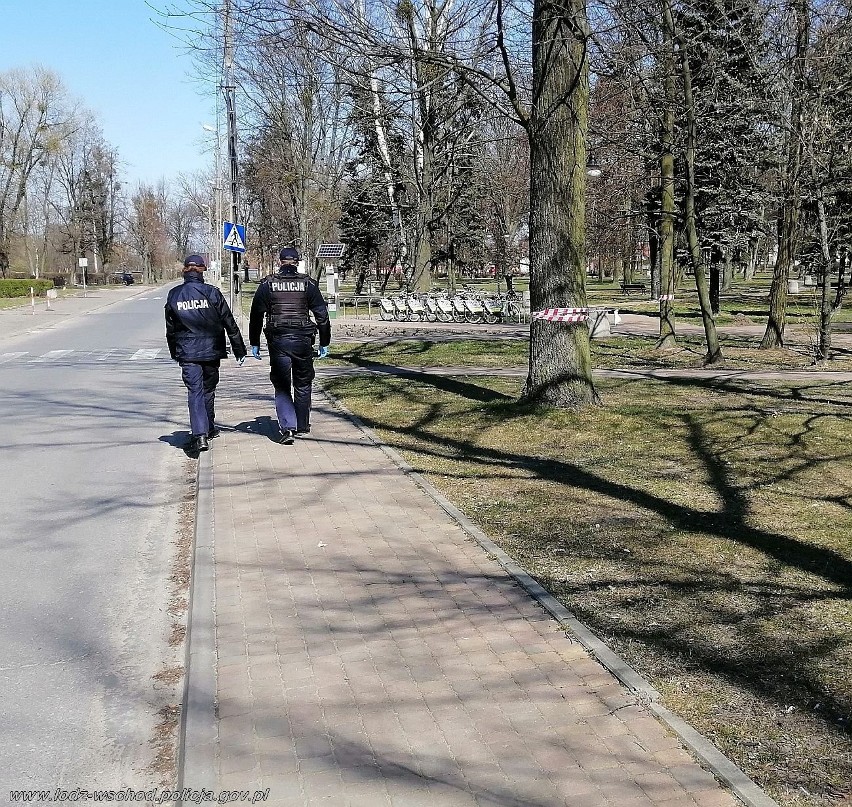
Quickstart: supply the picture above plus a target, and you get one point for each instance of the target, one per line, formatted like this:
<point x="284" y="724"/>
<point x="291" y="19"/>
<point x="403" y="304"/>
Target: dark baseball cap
<point x="195" y="260"/>
<point x="289" y="254"/>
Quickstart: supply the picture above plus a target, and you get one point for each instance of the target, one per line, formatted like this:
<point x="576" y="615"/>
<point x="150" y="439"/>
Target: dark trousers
<point x="201" y="379"/>
<point x="291" y="362"/>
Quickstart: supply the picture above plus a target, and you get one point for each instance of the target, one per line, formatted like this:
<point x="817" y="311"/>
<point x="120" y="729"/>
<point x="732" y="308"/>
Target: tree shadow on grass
<point x="729" y="523"/>
<point x="449" y="384"/>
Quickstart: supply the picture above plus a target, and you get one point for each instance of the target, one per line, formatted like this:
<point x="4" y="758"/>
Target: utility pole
<point x="230" y="111"/>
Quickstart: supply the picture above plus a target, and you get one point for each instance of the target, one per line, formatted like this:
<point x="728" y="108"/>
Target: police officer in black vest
<point x="197" y="317"/>
<point x="285" y="300"/>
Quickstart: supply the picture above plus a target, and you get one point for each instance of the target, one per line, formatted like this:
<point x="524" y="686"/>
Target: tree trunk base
<point x="574" y="395"/>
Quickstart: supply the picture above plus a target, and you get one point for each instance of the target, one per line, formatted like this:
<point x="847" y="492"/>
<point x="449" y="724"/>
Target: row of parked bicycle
<point x="465" y="306"/>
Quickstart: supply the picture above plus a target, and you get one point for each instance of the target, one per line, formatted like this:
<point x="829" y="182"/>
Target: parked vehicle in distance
<point x="123" y="277"/>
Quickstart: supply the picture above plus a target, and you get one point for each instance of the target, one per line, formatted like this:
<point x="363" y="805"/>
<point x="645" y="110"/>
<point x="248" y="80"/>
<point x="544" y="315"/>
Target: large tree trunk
<point x="420" y="271"/>
<point x="715" y="277"/>
<point x="560" y="371"/>
<point x="728" y="273"/>
<point x="628" y="244"/>
<point x="825" y="308"/>
<point x="788" y="219"/>
<point x="714" y="351"/>
<point x="667" y="205"/>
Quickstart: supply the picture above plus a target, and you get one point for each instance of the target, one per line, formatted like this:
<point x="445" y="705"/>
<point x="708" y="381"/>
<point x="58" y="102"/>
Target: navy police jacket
<point x="286" y="300"/>
<point x="197" y="318"/>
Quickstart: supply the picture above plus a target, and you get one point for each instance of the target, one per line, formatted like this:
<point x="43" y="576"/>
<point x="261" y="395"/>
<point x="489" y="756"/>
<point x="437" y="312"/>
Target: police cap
<point x="192" y="261"/>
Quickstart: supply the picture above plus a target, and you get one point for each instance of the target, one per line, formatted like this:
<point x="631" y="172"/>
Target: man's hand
<point x="255" y="351"/>
<point x="323" y="353"/>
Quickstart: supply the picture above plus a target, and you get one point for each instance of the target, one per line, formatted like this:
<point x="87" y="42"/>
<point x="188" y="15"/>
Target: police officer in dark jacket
<point x="285" y="300"/>
<point x="197" y="318"/>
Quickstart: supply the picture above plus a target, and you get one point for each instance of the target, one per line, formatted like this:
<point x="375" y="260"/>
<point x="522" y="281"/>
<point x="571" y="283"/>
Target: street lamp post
<point x="213" y="266"/>
<point x="216" y="243"/>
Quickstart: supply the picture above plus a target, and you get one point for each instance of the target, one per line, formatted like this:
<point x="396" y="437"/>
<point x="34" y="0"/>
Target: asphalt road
<point x="91" y="414"/>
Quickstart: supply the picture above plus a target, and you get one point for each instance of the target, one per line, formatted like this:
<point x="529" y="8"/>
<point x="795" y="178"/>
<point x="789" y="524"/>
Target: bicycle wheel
<point x="513" y="310"/>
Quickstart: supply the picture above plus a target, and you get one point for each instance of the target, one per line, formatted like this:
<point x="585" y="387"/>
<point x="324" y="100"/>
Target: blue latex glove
<point x="240" y="361"/>
<point x="255" y="351"/>
<point x="323" y="353"/>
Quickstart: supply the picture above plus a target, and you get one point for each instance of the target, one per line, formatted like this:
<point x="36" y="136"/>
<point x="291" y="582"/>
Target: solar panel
<point x="331" y="250"/>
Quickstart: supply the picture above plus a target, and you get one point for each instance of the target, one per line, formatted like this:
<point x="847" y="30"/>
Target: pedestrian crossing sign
<point x="234" y="237"/>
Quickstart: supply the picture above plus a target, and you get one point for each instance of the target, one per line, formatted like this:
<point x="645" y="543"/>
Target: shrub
<point x="21" y="288"/>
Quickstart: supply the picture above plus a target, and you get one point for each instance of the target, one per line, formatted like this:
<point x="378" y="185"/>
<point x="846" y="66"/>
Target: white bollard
<point x="32" y="299"/>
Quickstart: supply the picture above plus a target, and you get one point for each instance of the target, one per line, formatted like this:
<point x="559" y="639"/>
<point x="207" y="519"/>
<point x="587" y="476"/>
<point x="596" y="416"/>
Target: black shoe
<point x="287" y="437"/>
<point x="303" y="431"/>
<point x="214" y="432"/>
<point x="199" y="443"/>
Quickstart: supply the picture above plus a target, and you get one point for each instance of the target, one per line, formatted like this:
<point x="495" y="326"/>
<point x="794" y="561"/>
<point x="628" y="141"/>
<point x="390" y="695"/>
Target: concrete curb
<point x="709" y="755"/>
<point x="196" y="767"/>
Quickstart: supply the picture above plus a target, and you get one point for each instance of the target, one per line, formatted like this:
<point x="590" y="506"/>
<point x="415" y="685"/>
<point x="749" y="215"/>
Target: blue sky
<point x="135" y="77"/>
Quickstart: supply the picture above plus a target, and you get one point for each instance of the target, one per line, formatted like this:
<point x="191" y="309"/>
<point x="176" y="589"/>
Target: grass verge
<point x="702" y="529"/>
<point x="611" y="353"/>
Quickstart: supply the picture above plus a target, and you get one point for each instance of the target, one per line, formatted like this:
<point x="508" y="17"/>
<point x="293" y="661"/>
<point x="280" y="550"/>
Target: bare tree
<point x="826" y="222"/>
<point x="87" y="196"/>
<point x="36" y="118"/>
<point x="791" y="178"/>
<point x="37" y="217"/>
<point x="714" y="350"/>
<point x="504" y="182"/>
<point x="148" y="232"/>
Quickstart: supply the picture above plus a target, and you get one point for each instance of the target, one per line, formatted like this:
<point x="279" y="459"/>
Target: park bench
<point x="626" y="288"/>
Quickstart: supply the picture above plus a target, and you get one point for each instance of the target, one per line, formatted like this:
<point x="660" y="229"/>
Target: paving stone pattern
<point x="370" y="653"/>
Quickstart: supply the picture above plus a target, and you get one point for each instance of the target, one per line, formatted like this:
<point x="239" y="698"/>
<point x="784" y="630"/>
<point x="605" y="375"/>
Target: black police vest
<point x="289" y="301"/>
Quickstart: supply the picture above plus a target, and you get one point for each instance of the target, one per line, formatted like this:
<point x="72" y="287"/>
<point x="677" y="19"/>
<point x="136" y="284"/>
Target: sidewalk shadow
<point x="262" y="425"/>
<point x="179" y="439"/>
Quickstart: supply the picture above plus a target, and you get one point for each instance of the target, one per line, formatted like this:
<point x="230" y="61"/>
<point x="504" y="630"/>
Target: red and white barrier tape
<point x="562" y="314"/>
<point x="666" y="297"/>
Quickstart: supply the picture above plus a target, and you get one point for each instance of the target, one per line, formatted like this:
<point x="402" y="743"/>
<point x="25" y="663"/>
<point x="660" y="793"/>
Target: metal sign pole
<point x="330" y="255"/>
<point x="83" y="263"/>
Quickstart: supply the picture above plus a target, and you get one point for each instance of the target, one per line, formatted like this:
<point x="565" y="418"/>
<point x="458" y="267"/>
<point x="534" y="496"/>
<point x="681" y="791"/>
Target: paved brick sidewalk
<point x="370" y="653"/>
